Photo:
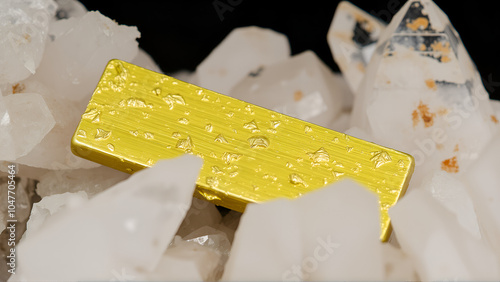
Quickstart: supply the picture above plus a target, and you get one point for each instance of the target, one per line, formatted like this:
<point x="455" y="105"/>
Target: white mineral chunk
<point x="82" y="46"/>
<point x="398" y="266"/>
<point x="352" y="37"/>
<point x="50" y="205"/>
<point x="144" y="60"/>
<point x="452" y="194"/>
<point x="54" y="151"/>
<point x="185" y="261"/>
<point x="484" y="189"/>
<point x="301" y="86"/>
<point x="288" y="239"/>
<point x="21" y="132"/>
<point x="439" y="247"/>
<point x="124" y="229"/>
<point x="437" y="110"/>
<point x="243" y="51"/>
<point x="201" y="213"/>
<point x="69" y="8"/>
<point x="342" y="122"/>
<point x="23" y="33"/>
<point x="217" y="241"/>
<point x="91" y="181"/>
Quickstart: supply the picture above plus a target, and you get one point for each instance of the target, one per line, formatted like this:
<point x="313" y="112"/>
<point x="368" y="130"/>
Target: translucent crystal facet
<point x="439" y="247"/>
<point x="245" y="50"/>
<point x="21" y="132"/>
<point x="80" y="49"/>
<point x="301" y="86"/>
<point x="127" y="227"/>
<point x="352" y="37"/>
<point x="288" y="240"/>
<point x="23" y="33"/>
<point x="422" y="93"/>
<point x="484" y="189"/>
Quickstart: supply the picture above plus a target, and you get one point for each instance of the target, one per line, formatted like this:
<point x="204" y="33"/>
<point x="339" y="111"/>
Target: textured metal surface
<point x="251" y="154"/>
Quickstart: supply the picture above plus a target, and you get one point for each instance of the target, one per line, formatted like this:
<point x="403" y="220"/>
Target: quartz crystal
<point x="145" y="61"/>
<point x="484" y="189"/>
<point x="78" y="51"/>
<point x="439" y="247"/>
<point x="91" y="181"/>
<point x="185" y="261"/>
<point x="50" y="205"/>
<point x="53" y="151"/>
<point x="352" y="37"/>
<point x="288" y="239"/>
<point x="398" y="265"/>
<point x="23" y="32"/>
<point x="451" y="192"/>
<point x="244" y="51"/>
<point x="125" y="228"/>
<point x="69" y="9"/>
<point x="301" y="86"/>
<point x="422" y="93"/>
<point x="200" y="214"/>
<point x="20" y="132"/>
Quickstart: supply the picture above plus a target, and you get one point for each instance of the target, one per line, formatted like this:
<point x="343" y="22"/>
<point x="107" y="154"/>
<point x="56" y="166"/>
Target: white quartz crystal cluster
<point x="409" y="85"/>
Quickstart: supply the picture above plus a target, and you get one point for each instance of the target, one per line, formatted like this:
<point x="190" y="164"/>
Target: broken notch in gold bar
<point x="137" y="117"/>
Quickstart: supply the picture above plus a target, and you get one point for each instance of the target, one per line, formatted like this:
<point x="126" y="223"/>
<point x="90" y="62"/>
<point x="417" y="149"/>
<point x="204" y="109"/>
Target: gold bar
<point x="137" y="117"/>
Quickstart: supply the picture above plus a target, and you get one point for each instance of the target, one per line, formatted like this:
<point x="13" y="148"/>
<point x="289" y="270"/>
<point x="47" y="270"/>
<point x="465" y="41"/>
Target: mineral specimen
<point x="301" y="86"/>
<point x="286" y="240"/>
<point x="128" y="226"/>
<point x="422" y="93"/>
<point x="24" y="27"/>
<point x="439" y="247"/>
<point x="244" y="51"/>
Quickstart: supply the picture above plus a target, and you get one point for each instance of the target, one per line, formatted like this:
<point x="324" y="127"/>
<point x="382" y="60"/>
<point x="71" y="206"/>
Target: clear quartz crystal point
<point x="352" y="37"/>
<point x="21" y="132"/>
<point x="301" y="86"/>
<point x="243" y="51"/>
<point x="422" y="93"/>
<point x="24" y="26"/>
<point x="125" y="228"/>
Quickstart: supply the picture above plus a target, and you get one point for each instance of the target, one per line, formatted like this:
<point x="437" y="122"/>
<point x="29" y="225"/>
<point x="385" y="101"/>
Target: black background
<point x="180" y="34"/>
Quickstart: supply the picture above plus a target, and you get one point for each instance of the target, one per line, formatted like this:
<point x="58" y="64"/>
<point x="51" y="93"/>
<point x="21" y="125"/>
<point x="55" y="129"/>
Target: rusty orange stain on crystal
<point x="494" y="119"/>
<point x="439" y="146"/>
<point x="445" y="59"/>
<point x="431" y="84"/>
<point x="414" y="117"/>
<point x="450" y="165"/>
<point x="17" y="88"/>
<point x="298" y="95"/>
<point x="441" y="47"/>
<point x="421" y="22"/>
<point x="422" y="47"/>
<point x="443" y="111"/>
<point x="426" y="115"/>
<point x="456" y="148"/>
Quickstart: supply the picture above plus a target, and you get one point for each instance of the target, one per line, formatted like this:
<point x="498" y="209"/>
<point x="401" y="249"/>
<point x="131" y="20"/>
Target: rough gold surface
<point x="137" y="117"/>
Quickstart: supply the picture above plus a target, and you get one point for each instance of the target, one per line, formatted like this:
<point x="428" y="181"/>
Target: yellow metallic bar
<point x="137" y="117"/>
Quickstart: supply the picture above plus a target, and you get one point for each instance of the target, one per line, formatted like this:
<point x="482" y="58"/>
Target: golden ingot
<point x="137" y="117"/>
